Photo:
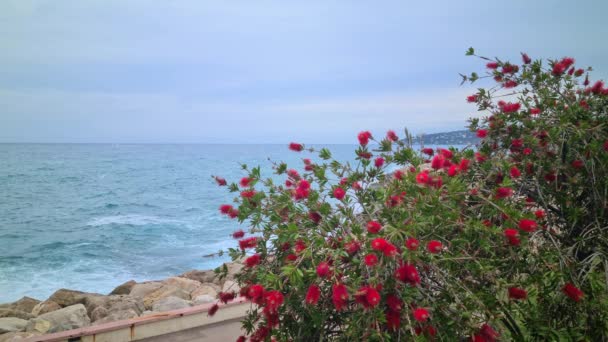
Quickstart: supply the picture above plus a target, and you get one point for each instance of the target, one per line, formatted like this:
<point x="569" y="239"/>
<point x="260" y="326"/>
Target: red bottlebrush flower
<point x="412" y="244"/>
<point x="379" y="244"/>
<point x="434" y="246"/>
<point x="408" y="273"/>
<point x="309" y="167"/>
<point x="371" y="260"/>
<point x="256" y="293"/>
<point x="510" y="84"/>
<point x="390" y="250"/>
<point x="323" y="269"/>
<point x="492" y="65"/>
<point x="487" y="223"/>
<point x="534" y="111"/>
<point x="579" y="72"/>
<point x="339" y="296"/>
<point x="527" y="151"/>
<point x="422" y="178"/>
<point x="356" y="186"/>
<point x="517" y="293"/>
<point x="288" y="183"/>
<point x="352" y="247"/>
<point x="503" y="192"/>
<point x="293" y="174"/>
<point x="488" y="333"/>
<point x="247" y="193"/>
<point x="246" y="181"/>
<point x="597" y="87"/>
<point x="393" y="320"/>
<point x="307" y="161"/>
<point x="364" y="138"/>
<point x="482" y="133"/>
<point x="446" y="153"/>
<point x="573" y="292"/>
<point x="365" y="155"/>
<point x="300" y="193"/>
<point x="584" y="104"/>
<point x="509" y="69"/>
<point x="559" y="69"/>
<point x="510" y="107"/>
<point x="296" y="147"/>
<point x="464" y="164"/>
<point x="606" y="145"/>
<point x="273" y="300"/>
<point x="586" y="82"/>
<point x="314" y="217"/>
<point x="472" y="98"/>
<point x="241" y="339"/>
<point x="378" y="162"/>
<point x="225" y="297"/>
<point x="527" y="225"/>
<point x="220" y="181"/>
<point x="539" y="214"/>
<point x="226" y="209"/>
<point x="390" y="135"/>
<point x="250" y="242"/>
<point x="428" y="151"/>
<point x="436" y="182"/>
<point x="513" y="236"/>
<point x="373" y="227"/>
<point x="398" y="175"/>
<point x="291" y="257"/>
<point x="437" y="162"/>
<point x="480" y="158"/>
<point x="551" y="177"/>
<point x="299" y="246"/>
<point x="372" y="296"/>
<point x="578" y="164"/>
<point x="304" y="184"/>
<point x="339" y="193"/>
<point x="525" y="58"/>
<point x="394" y="303"/>
<point x="238" y="234"/>
<point x="498" y="78"/>
<point x="515" y="173"/>
<point x="253" y="260"/>
<point x="313" y="294"/>
<point x="567" y="61"/>
<point x="233" y="213"/>
<point x="453" y="170"/>
<point x="421" y="314"/>
<point x="212" y="310"/>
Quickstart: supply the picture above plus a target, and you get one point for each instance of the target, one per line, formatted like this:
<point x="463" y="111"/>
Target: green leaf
<point x="470" y="52"/>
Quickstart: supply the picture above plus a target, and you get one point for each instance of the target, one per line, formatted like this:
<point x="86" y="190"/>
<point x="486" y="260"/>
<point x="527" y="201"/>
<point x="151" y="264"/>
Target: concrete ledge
<point x="177" y="325"/>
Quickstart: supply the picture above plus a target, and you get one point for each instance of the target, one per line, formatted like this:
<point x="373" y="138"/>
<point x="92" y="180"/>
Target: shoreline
<point x="69" y="309"/>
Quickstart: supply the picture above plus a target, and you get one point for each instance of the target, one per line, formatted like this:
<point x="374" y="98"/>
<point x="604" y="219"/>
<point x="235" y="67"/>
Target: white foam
<point x="131" y="219"/>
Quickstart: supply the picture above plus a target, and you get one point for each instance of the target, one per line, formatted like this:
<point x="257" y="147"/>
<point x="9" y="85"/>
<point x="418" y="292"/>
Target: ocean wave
<point x="131" y="219"/>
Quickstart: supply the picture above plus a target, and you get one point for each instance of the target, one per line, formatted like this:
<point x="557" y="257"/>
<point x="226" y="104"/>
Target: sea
<point x="91" y="216"/>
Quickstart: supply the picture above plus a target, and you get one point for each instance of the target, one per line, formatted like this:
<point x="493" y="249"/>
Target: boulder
<point x="116" y="316"/>
<point x="100" y="306"/>
<point x="99" y="313"/>
<point x="65" y="297"/>
<point x="71" y="317"/>
<point x="206" y="289"/>
<point x="17" y="336"/>
<point x="188" y="285"/>
<point x="25" y="304"/>
<point x="170" y="303"/>
<point x="124" y="289"/>
<point x="233" y="269"/>
<point x="202" y="276"/>
<point x="143" y="289"/>
<point x="203" y="299"/>
<point x="231" y="286"/>
<point x="164" y="292"/>
<point x="12" y="324"/>
<point x="44" y="307"/>
<point x="15" y="313"/>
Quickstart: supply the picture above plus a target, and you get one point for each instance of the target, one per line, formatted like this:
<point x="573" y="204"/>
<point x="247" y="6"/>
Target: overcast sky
<point x="264" y="71"/>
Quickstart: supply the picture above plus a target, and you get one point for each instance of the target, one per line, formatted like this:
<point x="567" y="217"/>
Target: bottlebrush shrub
<point x="452" y="246"/>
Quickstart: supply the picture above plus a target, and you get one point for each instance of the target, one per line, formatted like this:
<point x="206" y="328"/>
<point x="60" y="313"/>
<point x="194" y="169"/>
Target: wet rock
<point x="12" y="324"/>
<point x="44" y="307"/>
<point x="124" y="289"/>
<point x="170" y="303"/>
<point x="71" y="317"/>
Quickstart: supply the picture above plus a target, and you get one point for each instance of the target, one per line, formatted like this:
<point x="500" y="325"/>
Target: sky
<point x="265" y="71"/>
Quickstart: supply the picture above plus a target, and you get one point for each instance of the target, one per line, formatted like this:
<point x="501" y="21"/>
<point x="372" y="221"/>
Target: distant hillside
<point x="463" y="137"/>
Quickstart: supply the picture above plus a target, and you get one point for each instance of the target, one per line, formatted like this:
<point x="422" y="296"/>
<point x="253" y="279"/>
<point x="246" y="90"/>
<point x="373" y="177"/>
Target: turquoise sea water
<point x="91" y="216"/>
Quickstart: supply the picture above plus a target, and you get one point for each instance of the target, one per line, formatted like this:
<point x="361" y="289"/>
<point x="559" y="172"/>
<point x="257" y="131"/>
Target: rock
<point x="25" y="304"/>
<point x="206" y="289"/>
<point x="202" y="276"/>
<point x="203" y="299"/>
<point x="12" y="324"/>
<point x="99" y="313"/>
<point x="116" y="316"/>
<point x="164" y="292"/>
<point x="124" y="289"/>
<point x="15" y="313"/>
<point x="44" y="307"/>
<point x="143" y="289"/>
<point x="188" y="285"/>
<point x="231" y="286"/>
<point x="233" y="269"/>
<point x="65" y="297"/>
<point x="71" y="317"/>
<point x="170" y="303"/>
<point x="17" y="336"/>
<point x="99" y="307"/>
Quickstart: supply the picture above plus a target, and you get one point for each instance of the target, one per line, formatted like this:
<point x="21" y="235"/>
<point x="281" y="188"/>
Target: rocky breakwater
<point x="70" y="309"/>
